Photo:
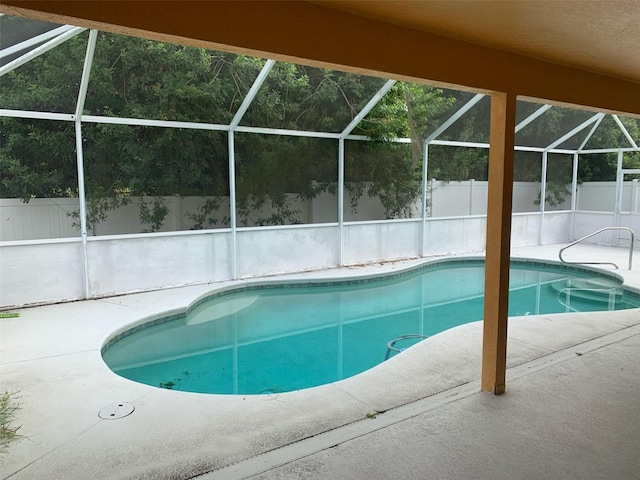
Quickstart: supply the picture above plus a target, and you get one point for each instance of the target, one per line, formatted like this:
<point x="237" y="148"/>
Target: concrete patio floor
<point x="572" y="407"/>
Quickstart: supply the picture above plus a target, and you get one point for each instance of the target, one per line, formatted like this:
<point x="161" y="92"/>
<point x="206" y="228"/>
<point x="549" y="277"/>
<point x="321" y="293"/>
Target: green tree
<point x="388" y="170"/>
<point x="133" y="78"/>
<point x="143" y="79"/>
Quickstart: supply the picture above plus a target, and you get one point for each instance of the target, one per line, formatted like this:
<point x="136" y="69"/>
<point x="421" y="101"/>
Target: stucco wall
<point x="40" y="271"/>
<point x="46" y="271"/>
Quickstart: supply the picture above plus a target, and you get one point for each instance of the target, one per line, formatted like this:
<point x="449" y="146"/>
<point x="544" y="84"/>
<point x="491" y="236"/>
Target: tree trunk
<point x="416" y="141"/>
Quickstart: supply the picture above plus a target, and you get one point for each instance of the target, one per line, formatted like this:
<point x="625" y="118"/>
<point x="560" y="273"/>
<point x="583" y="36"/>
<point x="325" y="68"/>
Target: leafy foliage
<point x="275" y="174"/>
<point x="9" y="405"/>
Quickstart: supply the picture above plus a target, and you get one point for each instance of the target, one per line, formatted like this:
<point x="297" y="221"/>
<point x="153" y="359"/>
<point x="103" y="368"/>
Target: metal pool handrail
<point x="391" y="347"/>
<point x="591" y="235"/>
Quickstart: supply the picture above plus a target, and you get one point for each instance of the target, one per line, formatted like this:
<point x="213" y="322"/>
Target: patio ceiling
<point x="599" y="36"/>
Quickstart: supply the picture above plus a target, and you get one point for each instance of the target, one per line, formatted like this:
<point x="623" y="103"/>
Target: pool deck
<point x="571" y="410"/>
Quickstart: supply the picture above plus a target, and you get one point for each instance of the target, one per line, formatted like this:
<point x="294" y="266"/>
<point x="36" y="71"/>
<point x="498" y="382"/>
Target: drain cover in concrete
<point x="116" y="410"/>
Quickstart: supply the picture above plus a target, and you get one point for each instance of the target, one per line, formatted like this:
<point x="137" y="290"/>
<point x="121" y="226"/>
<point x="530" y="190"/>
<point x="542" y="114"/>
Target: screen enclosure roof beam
<point x="317" y="35"/>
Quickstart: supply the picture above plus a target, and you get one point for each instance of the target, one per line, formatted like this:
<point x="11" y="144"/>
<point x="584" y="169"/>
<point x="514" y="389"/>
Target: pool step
<point x="595" y="289"/>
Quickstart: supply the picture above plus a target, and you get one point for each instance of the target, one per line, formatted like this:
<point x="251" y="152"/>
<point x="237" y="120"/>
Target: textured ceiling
<point x="577" y="52"/>
<point x="599" y="36"/>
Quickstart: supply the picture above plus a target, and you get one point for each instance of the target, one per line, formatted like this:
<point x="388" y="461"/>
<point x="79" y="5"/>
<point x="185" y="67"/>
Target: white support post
<point x="83" y="209"/>
<point x="232" y="204"/>
<point x="425" y="169"/>
<point x="574" y="194"/>
<point x="251" y="94"/>
<point x="619" y="184"/>
<point x="341" y="200"/>
<point x="433" y="189"/>
<point x="543" y="195"/>
<point x="348" y="129"/>
<point x="82" y="95"/>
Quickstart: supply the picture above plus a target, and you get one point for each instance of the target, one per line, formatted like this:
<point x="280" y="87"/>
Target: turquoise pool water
<point x="279" y="338"/>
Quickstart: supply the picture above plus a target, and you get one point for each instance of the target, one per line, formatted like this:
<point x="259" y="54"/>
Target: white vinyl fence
<point x="51" y="218"/>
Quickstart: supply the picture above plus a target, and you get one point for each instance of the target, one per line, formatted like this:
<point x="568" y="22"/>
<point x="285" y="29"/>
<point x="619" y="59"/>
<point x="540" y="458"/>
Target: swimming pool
<point x="275" y="338"/>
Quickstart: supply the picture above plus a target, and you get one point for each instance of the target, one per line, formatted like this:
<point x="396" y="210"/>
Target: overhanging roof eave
<point x="333" y="40"/>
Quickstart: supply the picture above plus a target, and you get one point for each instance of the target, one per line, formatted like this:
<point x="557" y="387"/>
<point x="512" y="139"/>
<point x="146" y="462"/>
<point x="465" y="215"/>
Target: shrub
<point x="9" y="405"/>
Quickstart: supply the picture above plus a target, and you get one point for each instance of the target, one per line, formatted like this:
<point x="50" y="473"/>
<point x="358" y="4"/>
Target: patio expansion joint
<point x="356" y="399"/>
<point x="530" y="344"/>
<point x="572" y="352"/>
<point x="620" y="350"/>
<point x="112" y="301"/>
<point x="49" y="452"/>
<point x="255" y="465"/>
<point x="32" y="462"/>
<point x="623" y="324"/>
<point x="58" y="355"/>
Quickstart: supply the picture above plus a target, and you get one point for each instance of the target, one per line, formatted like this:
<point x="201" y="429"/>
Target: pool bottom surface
<point x="280" y="339"/>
